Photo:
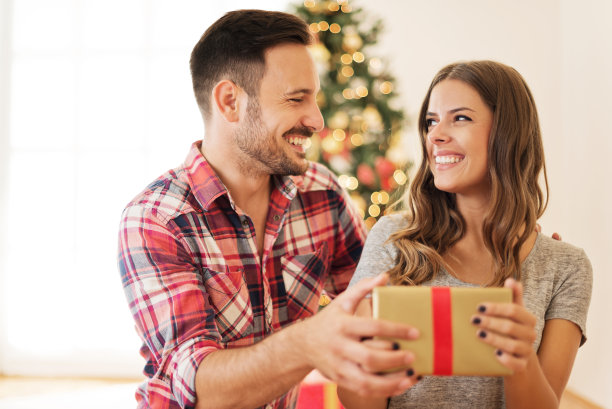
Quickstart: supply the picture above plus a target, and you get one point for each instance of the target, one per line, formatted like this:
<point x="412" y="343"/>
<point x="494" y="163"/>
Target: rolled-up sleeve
<point x="169" y="303"/>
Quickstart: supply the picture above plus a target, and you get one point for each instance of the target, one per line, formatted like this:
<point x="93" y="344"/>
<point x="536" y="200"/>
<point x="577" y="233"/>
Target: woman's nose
<point x="438" y="134"/>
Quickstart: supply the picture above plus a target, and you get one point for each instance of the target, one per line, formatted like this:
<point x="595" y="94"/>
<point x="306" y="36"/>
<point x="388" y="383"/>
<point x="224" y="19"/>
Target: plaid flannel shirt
<point x="194" y="281"/>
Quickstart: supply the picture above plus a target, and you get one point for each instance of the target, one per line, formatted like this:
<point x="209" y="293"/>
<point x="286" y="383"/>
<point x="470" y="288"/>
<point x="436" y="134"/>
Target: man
<point x="221" y="255"/>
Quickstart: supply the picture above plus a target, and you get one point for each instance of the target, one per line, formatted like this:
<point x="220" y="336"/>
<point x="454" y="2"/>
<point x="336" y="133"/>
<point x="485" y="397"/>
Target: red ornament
<point x="384" y="167"/>
<point x="365" y="175"/>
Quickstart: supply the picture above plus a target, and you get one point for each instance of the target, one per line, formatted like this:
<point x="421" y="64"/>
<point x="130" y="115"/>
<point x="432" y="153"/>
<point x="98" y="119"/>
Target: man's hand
<point x="333" y="345"/>
<point x="555" y="236"/>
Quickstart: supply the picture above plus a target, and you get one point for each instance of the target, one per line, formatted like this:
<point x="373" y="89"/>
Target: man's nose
<point x="313" y="118"/>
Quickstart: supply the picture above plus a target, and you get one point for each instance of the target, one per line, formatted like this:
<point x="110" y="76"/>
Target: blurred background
<point x="96" y="102"/>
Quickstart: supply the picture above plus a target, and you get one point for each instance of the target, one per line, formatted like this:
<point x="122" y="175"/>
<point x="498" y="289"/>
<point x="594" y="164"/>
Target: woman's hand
<point x="510" y="328"/>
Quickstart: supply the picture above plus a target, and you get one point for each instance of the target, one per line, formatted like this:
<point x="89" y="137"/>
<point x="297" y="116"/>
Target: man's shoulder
<point x="165" y="198"/>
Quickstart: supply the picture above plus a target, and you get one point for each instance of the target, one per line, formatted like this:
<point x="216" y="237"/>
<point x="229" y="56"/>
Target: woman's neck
<point x="469" y="259"/>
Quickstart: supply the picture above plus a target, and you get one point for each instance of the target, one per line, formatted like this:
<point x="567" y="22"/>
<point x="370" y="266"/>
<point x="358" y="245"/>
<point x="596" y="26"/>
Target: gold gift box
<point x="448" y="344"/>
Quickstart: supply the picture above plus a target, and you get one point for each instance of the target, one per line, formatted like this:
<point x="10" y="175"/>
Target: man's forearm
<point x="330" y="341"/>
<point x="251" y="376"/>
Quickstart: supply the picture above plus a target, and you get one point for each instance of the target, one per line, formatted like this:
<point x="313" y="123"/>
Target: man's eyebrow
<point x="299" y="91"/>
<point x="452" y="111"/>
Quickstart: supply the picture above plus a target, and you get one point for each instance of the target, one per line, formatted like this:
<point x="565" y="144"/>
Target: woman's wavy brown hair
<point x="516" y="158"/>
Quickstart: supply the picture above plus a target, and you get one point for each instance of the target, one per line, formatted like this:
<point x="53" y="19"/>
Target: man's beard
<point x="256" y="142"/>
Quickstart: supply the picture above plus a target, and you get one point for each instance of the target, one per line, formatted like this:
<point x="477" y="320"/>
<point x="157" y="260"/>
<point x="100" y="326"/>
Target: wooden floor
<point x="54" y="393"/>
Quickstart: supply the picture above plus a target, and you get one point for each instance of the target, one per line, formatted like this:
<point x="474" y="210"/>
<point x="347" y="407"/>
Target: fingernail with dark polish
<point x="395" y="346"/>
<point x="482" y="308"/>
<point x="476" y="320"/>
<point x="499" y="352"/>
<point x="482" y="334"/>
<point x="410" y="372"/>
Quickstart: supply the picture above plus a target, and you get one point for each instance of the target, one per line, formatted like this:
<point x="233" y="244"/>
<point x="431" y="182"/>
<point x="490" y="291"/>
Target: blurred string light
<point x="380" y="198"/>
<point x="386" y="87"/>
<point x="348" y="182"/>
<point x="339" y="135"/>
<point x="347" y="71"/>
<point x="357" y="139"/>
<point x="332" y="6"/>
<point x="346" y="59"/>
<point x="400" y="177"/>
<point x="358" y="57"/>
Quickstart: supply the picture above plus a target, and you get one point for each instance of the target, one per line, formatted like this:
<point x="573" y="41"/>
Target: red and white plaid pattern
<point x="194" y="281"/>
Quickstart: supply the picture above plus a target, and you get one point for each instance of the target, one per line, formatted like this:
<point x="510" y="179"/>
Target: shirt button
<point x="276" y="217"/>
<point x="245" y="223"/>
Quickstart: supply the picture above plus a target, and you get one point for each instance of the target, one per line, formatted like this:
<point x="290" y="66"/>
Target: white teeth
<point x="296" y="141"/>
<point x="448" y="159"/>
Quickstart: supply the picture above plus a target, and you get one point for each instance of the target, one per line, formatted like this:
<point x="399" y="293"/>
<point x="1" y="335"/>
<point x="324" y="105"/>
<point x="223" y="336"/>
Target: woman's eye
<point x="462" y="118"/>
<point x="431" y="122"/>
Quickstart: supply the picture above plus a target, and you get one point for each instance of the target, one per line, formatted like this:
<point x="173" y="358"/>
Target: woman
<point x="472" y="212"/>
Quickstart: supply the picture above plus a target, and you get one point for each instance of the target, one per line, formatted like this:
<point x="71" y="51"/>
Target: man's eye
<point x="296" y="99"/>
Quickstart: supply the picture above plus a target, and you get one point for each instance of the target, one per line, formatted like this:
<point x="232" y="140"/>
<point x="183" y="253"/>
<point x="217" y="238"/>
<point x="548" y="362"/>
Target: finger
<point x="517" y="290"/>
<point x="364" y="383"/>
<point x="517" y="348"/>
<point x="360" y="327"/>
<point x="505" y="327"/>
<point x="350" y="298"/>
<point x="376" y="360"/>
<point x="510" y="361"/>
<point x="381" y="344"/>
<point x="557" y="236"/>
<point x="509" y="311"/>
<point x="413" y="380"/>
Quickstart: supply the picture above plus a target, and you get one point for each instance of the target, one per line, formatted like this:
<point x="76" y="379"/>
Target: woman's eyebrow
<point x="452" y="111"/>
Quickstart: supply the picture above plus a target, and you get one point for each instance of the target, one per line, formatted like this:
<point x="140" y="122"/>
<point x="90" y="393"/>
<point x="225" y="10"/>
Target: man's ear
<point x="226" y="100"/>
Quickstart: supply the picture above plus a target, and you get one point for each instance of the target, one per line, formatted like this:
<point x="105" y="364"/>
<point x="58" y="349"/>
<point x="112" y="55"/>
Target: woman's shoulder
<point x="390" y="223"/>
<point x="559" y="250"/>
<point x="560" y="258"/>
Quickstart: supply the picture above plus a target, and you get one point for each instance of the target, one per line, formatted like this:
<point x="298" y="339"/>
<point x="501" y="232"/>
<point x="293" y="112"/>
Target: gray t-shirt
<point x="557" y="281"/>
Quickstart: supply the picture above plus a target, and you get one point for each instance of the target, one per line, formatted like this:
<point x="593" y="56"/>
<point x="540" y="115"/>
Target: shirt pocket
<point x="229" y="297"/>
<point x="304" y="276"/>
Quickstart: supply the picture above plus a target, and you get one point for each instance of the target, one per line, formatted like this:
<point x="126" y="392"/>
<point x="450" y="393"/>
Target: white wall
<point x="4" y="96"/>
<point x="564" y="51"/>
<point x="583" y="178"/>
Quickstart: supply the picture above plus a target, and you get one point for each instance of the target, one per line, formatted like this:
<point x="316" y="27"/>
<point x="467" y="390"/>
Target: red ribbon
<point x="442" y="330"/>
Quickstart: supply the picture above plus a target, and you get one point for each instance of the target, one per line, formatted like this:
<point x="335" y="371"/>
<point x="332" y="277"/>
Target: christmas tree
<point x="361" y="139"/>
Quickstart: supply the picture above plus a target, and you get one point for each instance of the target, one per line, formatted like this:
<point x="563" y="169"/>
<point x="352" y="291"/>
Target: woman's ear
<point x="225" y="100"/>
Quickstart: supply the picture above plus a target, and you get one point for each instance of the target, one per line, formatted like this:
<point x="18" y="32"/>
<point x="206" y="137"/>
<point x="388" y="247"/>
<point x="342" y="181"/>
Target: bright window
<point x="99" y="104"/>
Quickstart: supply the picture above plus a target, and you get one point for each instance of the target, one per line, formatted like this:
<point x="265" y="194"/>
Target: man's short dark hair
<point x="234" y="48"/>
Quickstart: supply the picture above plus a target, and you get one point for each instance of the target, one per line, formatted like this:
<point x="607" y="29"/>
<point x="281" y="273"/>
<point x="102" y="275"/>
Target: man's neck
<point x="246" y="190"/>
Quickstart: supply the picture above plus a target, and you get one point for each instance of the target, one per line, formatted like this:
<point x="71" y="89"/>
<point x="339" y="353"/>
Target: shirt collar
<point x="205" y="184"/>
<point x="207" y="187"/>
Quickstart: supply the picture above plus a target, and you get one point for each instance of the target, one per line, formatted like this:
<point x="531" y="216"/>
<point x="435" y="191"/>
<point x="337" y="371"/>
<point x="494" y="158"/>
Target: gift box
<point x="448" y="344"/>
<point x="318" y="396"/>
